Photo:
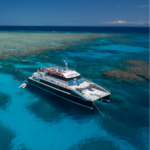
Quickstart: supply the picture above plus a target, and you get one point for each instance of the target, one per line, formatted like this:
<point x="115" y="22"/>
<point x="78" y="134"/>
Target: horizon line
<point x="64" y="26"/>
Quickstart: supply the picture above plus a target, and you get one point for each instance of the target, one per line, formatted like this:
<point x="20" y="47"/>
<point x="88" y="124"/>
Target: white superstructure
<point x="68" y="84"/>
<point x="87" y="88"/>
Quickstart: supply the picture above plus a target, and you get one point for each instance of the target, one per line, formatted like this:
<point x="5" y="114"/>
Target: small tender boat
<point x="23" y="85"/>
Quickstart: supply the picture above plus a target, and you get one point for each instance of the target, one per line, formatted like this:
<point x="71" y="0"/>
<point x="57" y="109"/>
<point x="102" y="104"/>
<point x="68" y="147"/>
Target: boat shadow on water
<point x="55" y="104"/>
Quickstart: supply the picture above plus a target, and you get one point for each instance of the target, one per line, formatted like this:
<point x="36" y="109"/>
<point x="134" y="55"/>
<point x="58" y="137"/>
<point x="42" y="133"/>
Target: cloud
<point x="78" y="23"/>
<point x="121" y="22"/>
<point x="118" y="5"/>
<point x="141" y="6"/>
<point x="116" y="22"/>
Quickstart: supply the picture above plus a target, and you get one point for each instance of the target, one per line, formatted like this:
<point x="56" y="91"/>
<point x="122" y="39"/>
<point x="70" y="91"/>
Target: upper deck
<point x="63" y="72"/>
<point x="54" y="80"/>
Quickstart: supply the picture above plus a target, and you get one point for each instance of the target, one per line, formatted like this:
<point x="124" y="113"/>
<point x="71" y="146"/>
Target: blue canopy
<point x="79" y="81"/>
<point x="38" y="80"/>
<point x="75" y="82"/>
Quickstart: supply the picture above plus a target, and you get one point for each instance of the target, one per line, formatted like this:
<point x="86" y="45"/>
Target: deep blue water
<point x="36" y="120"/>
<point x="77" y="29"/>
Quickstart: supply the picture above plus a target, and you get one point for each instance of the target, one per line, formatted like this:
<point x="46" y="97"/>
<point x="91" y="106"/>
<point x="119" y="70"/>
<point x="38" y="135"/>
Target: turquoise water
<point x="36" y="120"/>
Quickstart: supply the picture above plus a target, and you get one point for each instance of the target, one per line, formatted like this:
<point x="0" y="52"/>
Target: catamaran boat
<point x="69" y="85"/>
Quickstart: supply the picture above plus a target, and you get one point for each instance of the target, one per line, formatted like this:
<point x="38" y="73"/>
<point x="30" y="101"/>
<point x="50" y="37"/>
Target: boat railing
<point x="108" y="90"/>
<point x="95" y="96"/>
<point x="87" y="79"/>
<point x="56" y="67"/>
<point x="96" y="86"/>
<point x="101" y="88"/>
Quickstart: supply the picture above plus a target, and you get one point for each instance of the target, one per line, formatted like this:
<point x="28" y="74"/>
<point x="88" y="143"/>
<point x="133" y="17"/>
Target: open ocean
<point x="32" y="119"/>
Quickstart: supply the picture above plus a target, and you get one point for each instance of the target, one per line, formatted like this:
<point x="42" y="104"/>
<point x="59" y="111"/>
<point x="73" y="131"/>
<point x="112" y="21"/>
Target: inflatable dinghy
<point x="23" y="85"/>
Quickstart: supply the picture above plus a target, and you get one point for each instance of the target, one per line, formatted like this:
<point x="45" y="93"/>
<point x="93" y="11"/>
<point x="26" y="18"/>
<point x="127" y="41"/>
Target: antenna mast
<point x="66" y="64"/>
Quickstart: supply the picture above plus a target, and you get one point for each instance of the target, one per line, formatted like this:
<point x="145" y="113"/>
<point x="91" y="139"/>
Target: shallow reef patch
<point x="136" y="70"/>
<point x="6" y="136"/>
<point x="117" y="98"/>
<point x="121" y="41"/>
<point x="16" y="73"/>
<point x="4" y="100"/>
<point x="42" y="110"/>
<point x="94" y="144"/>
<point x="17" y="44"/>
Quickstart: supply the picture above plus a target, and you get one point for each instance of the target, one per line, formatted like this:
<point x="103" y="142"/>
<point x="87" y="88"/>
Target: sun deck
<point x="82" y="85"/>
<point x="94" y="94"/>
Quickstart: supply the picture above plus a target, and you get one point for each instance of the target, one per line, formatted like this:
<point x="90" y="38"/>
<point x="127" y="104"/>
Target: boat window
<point x="65" y="79"/>
<point x="58" y="77"/>
<point x="72" y="79"/>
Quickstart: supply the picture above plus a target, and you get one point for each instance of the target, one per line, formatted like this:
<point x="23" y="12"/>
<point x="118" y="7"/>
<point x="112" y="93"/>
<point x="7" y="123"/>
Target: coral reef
<point x="117" y="98"/>
<point x="16" y="44"/>
<point x="41" y="110"/>
<point x="16" y="73"/>
<point x="4" y="100"/>
<point x="121" y="41"/>
<point x="137" y="70"/>
<point x="45" y="57"/>
<point x="32" y="56"/>
<point x="124" y="75"/>
<point x="137" y="62"/>
<point x="6" y="137"/>
<point x="26" y="61"/>
<point x="94" y="144"/>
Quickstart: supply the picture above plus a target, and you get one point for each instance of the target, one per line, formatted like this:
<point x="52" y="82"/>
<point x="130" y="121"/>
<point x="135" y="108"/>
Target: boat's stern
<point x="94" y="92"/>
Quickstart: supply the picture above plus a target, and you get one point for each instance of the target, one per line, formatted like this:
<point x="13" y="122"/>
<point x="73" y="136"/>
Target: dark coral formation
<point x="137" y="70"/>
<point x="94" y="144"/>
<point x="4" y="100"/>
<point x="121" y="41"/>
<point x="26" y="61"/>
<point x="32" y="56"/>
<point x="6" y="137"/>
<point x="137" y="62"/>
<point x="42" y="110"/>
<point x="124" y="75"/>
<point x="10" y="69"/>
<point x="45" y="57"/>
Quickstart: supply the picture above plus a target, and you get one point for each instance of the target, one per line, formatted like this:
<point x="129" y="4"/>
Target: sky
<point x="74" y="12"/>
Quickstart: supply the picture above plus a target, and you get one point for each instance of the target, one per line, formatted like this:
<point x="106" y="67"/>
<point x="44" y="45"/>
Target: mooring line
<point x="98" y="109"/>
<point x="106" y="116"/>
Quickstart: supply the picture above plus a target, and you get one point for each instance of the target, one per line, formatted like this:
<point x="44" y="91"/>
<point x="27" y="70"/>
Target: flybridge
<point x="53" y="71"/>
<point x="60" y="71"/>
